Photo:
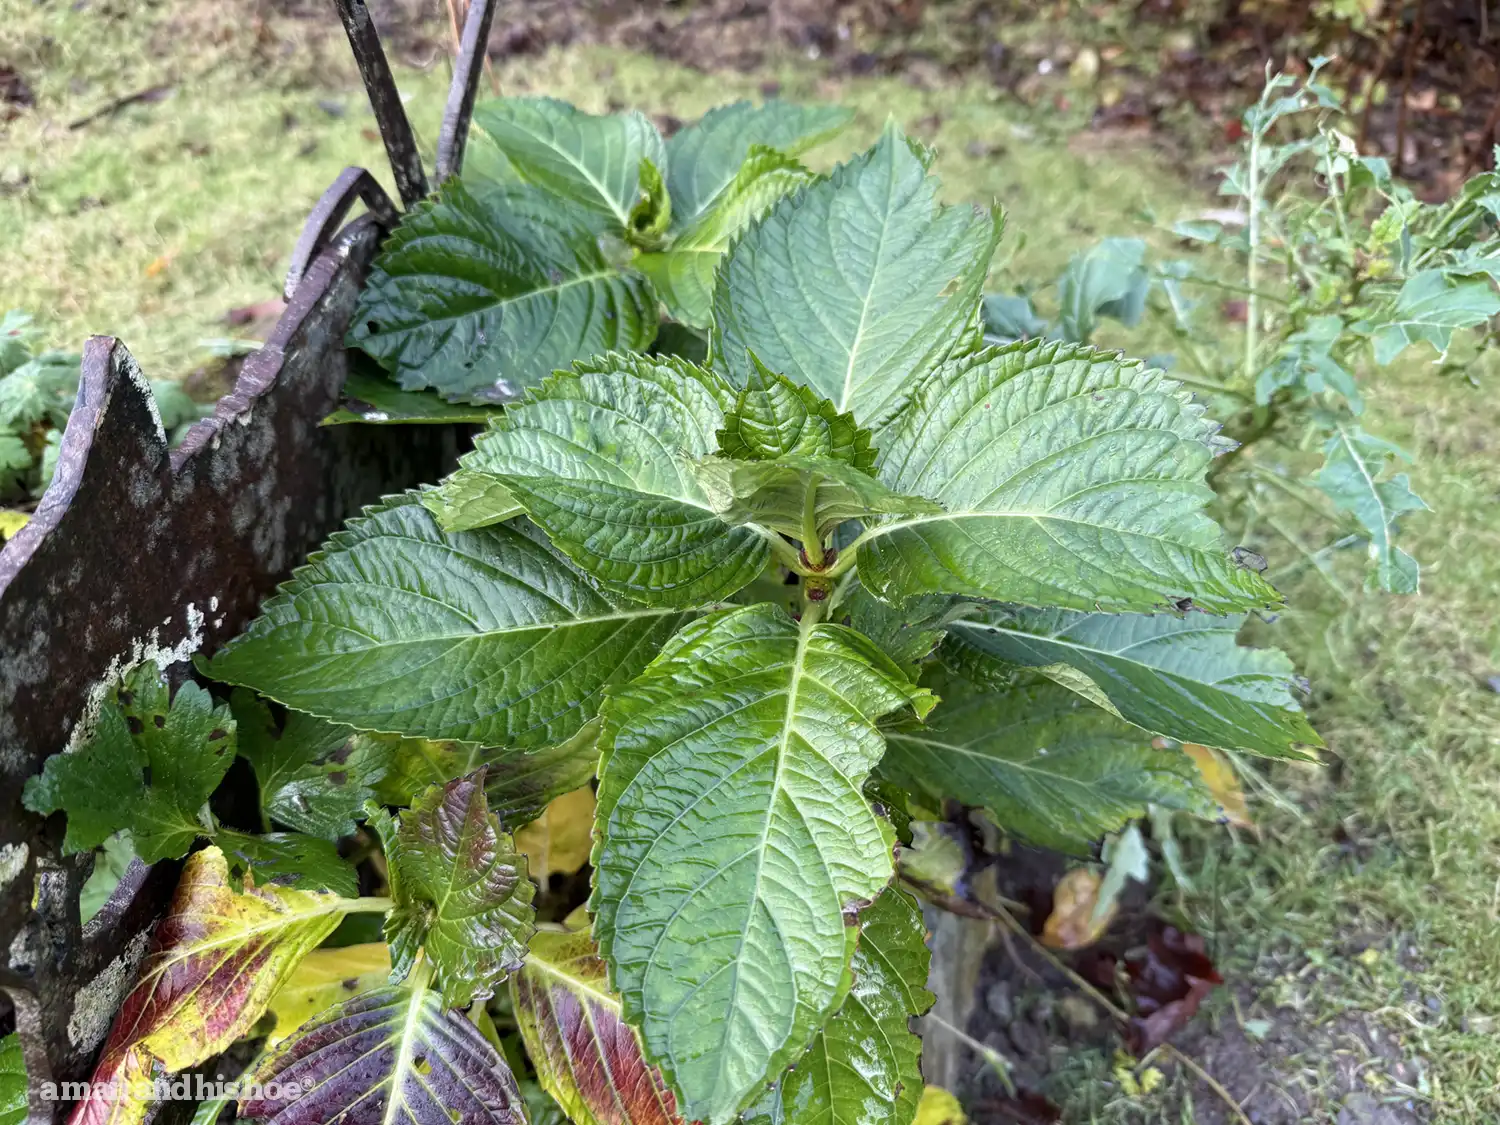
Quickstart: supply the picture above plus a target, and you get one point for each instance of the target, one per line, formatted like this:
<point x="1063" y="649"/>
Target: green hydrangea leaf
<point x="182" y="743"/>
<point x="1070" y="478"/>
<point x="1353" y="463"/>
<point x="397" y="1056"/>
<point x="600" y="459"/>
<point x="732" y="836"/>
<point x="865" y="1064"/>
<point x="1047" y="765"/>
<point x="907" y="633"/>
<point x="312" y="775"/>
<point x="517" y="785"/>
<point x="479" y="299"/>
<point x="706" y="156"/>
<point x="859" y="285"/>
<point x="778" y="494"/>
<point x="775" y="417"/>
<point x="468" y="499"/>
<point x="461" y="891"/>
<point x="289" y="859"/>
<point x="480" y="636"/>
<point x="373" y="399"/>
<point x="590" y="161"/>
<point x="1183" y="677"/>
<point x="684" y="273"/>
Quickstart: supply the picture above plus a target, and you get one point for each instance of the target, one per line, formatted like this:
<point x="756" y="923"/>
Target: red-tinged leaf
<point x="395" y="1056"/>
<point x="585" y="1055"/>
<point x="1169" y="984"/>
<point x="217" y="959"/>
<point x="461" y="892"/>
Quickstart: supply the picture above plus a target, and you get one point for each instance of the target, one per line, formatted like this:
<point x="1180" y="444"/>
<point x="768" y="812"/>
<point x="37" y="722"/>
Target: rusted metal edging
<point x="385" y="100"/>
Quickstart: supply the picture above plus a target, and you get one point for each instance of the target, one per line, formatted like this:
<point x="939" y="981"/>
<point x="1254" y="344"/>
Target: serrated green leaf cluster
<point x="833" y="556"/>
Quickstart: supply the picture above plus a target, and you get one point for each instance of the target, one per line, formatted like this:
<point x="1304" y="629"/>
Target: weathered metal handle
<point x="326" y="218"/>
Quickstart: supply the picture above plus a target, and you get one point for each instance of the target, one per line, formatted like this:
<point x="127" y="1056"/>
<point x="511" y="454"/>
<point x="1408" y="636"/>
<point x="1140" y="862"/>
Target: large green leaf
<point x="461" y="891"/>
<point x="1070" y="478"/>
<point x="149" y="767"/>
<point x="732" y="836"/>
<point x="704" y="157"/>
<point x="481" y="298"/>
<point x="482" y="636"/>
<point x="395" y="1056"/>
<point x="684" y="273"/>
<point x="859" y="285"/>
<point x="1046" y="764"/>
<point x="586" y="1056"/>
<point x="1430" y="308"/>
<point x="775" y="417"/>
<point x="1184" y="677"/>
<point x="587" y="160"/>
<point x="864" y="1066"/>
<point x="1353" y="462"/>
<point x="789" y="493"/>
<point x="600" y="459"/>
<point x="906" y="633"/>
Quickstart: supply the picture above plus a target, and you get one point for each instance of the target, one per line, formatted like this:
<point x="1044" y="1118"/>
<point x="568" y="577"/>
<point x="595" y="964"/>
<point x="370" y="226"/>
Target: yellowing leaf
<point x="939" y="1107"/>
<point x="12" y="521"/>
<point x="324" y="978"/>
<point x="218" y="957"/>
<point x="558" y="841"/>
<point x="1218" y="776"/>
<point x="1072" y="923"/>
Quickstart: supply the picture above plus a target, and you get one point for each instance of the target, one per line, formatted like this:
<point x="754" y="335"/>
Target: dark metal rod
<point x="454" y="134"/>
<point x="385" y="100"/>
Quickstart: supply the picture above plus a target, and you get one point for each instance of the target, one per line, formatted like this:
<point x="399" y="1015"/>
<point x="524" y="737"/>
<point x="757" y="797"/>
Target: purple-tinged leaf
<point x="391" y="1057"/>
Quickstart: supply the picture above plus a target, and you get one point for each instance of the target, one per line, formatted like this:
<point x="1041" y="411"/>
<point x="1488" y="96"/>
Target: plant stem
<point x="366" y="905"/>
<point x="785" y="553"/>
<point x="993" y="1058"/>
<point x="1252" y="238"/>
<point x="812" y="542"/>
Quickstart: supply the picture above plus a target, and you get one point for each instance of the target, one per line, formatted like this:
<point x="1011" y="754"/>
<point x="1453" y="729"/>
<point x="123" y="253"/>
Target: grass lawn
<point x="1360" y="928"/>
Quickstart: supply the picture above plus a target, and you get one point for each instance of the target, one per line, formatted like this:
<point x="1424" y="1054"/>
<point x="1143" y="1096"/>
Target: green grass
<point x="153" y="223"/>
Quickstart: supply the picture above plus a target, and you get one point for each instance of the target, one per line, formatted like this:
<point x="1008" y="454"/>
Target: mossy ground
<point x="1369" y="902"/>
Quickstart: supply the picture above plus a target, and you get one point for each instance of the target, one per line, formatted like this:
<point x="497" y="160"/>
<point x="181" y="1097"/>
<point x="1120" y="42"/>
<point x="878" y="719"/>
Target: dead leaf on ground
<point x="1074" y="921"/>
<point x="1168" y="984"/>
